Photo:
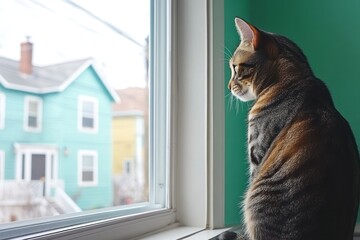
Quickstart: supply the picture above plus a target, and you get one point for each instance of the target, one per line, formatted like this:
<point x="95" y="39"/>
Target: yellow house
<point x="129" y="128"/>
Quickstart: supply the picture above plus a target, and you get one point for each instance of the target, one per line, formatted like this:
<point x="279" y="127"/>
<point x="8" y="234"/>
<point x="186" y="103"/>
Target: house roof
<point x="134" y="101"/>
<point x="47" y="79"/>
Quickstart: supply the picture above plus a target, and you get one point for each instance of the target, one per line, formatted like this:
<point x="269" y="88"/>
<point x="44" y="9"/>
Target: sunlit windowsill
<point x="194" y="233"/>
<point x="183" y="232"/>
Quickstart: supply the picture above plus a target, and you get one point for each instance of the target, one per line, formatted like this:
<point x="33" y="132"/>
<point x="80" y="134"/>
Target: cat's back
<point x="308" y="180"/>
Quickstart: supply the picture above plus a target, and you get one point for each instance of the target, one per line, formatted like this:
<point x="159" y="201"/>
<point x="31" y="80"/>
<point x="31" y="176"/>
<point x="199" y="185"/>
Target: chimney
<point x="26" y="57"/>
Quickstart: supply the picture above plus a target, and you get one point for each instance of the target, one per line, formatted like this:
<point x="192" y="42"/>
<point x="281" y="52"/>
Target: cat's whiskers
<point x="227" y="54"/>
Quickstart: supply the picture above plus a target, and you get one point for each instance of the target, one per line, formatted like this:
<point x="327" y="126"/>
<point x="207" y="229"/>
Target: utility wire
<point x="106" y="23"/>
<point x="62" y="15"/>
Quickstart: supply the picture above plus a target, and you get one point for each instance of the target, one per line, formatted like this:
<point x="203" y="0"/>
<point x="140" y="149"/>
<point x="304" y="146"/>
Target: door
<point x="38" y="166"/>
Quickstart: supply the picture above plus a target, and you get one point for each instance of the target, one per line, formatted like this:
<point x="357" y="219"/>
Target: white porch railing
<point x="21" y="200"/>
<point x="65" y="202"/>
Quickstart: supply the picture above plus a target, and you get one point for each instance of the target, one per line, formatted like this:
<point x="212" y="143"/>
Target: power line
<point x="62" y="15"/>
<point x="106" y="23"/>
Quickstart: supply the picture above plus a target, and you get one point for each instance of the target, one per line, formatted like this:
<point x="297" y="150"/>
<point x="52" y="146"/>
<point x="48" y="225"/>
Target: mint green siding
<point x="329" y="34"/>
<point x="60" y="128"/>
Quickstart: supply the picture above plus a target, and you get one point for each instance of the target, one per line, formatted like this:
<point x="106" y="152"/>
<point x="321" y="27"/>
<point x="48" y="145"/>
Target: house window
<point x="2" y="110"/>
<point x="87" y="168"/>
<point x="87" y="114"/>
<point x="2" y="165"/>
<point x="128" y="167"/>
<point x="33" y="113"/>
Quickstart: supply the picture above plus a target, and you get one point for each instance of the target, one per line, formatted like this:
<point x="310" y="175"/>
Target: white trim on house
<point x="94" y="155"/>
<point x="39" y="113"/>
<point x="95" y="102"/>
<point x="2" y="165"/>
<point x="2" y="109"/>
<point x="23" y="159"/>
<point x="65" y="84"/>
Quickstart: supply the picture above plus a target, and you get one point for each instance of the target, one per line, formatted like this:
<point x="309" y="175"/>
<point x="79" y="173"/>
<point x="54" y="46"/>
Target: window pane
<point x="33" y="108"/>
<point x="88" y="64"/>
<point x="88" y="122"/>
<point x="88" y="107"/>
<point x="88" y="176"/>
<point x="88" y="162"/>
<point x="32" y="121"/>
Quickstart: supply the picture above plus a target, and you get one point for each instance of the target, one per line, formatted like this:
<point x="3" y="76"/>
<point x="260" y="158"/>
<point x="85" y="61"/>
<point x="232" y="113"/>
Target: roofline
<point x="65" y="84"/>
<point x="88" y="63"/>
<point x="128" y="113"/>
<point x="111" y="90"/>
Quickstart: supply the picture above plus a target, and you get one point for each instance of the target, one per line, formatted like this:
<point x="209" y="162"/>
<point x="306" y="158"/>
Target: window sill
<point x="112" y="228"/>
<point x="183" y="232"/>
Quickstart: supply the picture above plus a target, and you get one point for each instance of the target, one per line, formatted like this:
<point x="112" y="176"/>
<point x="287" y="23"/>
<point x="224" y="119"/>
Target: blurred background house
<point x="55" y="137"/>
<point x="129" y="146"/>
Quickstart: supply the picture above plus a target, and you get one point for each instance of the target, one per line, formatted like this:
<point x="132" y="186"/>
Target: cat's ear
<point x="248" y="33"/>
<point x="258" y="39"/>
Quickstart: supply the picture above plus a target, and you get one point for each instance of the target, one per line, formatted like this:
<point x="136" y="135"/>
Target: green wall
<point x="328" y="31"/>
<point x="236" y="166"/>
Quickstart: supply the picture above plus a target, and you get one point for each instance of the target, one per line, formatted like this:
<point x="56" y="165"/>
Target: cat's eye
<point x="247" y="65"/>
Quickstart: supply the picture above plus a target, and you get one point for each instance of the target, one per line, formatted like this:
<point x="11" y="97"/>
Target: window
<point x="88" y="168"/>
<point x="88" y="114"/>
<point x="81" y="96"/>
<point x="33" y="114"/>
<point x="2" y="110"/>
<point x="2" y="165"/>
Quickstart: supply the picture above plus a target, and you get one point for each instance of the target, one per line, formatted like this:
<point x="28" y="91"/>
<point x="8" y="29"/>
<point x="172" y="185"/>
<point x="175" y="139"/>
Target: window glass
<point x="88" y="108"/>
<point x="88" y="168"/>
<point x="33" y="112"/>
<point x="86" y="65"/>
<point x="88" y="114"/>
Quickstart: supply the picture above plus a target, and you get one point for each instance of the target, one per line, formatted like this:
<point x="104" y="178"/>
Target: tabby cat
<point x="304" y="161"/>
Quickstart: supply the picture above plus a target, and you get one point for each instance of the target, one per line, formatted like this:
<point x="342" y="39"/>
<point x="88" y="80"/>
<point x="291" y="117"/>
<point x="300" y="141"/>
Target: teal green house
<point x="55" y="133"/>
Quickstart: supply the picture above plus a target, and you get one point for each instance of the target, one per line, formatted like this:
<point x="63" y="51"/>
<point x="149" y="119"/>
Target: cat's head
<point x="259" y="60"/>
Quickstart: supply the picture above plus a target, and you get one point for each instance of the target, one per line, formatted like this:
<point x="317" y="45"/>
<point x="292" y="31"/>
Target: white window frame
<point x="192" y="99"/>
<point x="95" y="101"/>
<point x="2" y="165"/>
<point x="2" y="110"/>
<point x="81" y="154"/>
<point x="39" y="113"/>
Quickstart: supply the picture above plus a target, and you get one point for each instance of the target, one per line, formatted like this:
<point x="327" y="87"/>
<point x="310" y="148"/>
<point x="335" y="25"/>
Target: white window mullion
<point x="160" y="98"/>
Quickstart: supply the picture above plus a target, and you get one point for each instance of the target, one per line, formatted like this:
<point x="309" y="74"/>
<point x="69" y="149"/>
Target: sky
<point x="66" y="30"/>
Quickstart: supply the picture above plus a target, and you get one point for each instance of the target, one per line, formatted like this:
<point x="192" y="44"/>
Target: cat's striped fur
<point x="304" y="162"/>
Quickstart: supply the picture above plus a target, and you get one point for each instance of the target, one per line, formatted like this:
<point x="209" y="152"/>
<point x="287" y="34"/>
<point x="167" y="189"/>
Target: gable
<point x="49" y="79"/>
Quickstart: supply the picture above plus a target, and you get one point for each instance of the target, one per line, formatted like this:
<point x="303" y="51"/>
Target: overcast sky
<point x="62" y="31"/>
